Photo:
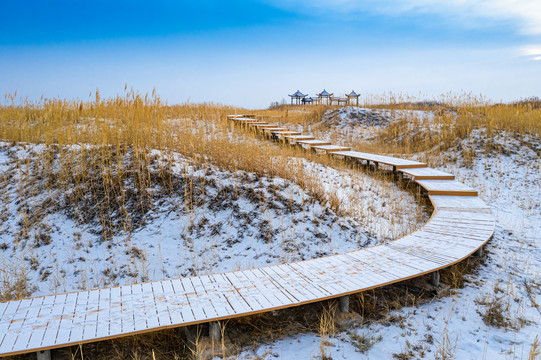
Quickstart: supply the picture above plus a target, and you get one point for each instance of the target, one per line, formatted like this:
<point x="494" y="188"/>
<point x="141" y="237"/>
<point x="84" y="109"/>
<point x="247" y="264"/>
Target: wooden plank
<point x="297" y="283"/>
<point x="317" y="279"/>
<point x="138" y="309"/>
<point x="203" y="297"/>
<point x="254" y="299"/>
<point x="388" y="160"/>
<point x="26" y="329"/>
<point x="427" y="174"/>
<point x="234" y="297"/>
<point x="224" y="292"/>
<point x="15" y="324"/>
<point x="294" y="138"/>
<point x="330" y="148"/>
<point x="39" y="331"/>
<point x="52" y="330"/>
<point x="127" y="313"/>
<point x="276" y="290"/>
<point x="197" y="306"/>
<point x="115" y="312"/>
<point x="175" y="311"/>
<point x="343" y="267"/>
<point x="182" y="301"/>
<point x="161" y="303"/>
<point x="313" y="143"/>
<point x="215" y="292"/>
<point x="270" y="130"/>
<point x="285" y="132"/>
<point x="91" y="320"/>
<point x="446" y="187"/>
<point x="271" y="298"/>
<point x="151" y="312"/>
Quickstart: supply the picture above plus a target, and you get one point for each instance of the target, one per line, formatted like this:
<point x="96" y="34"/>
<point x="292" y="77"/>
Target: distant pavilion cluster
<point x="324" y="98"/>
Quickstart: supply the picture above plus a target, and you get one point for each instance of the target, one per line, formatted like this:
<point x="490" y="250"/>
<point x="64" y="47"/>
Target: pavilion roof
<point x="353" y="93"/>
<point x="298" y="94"/>
<point x="324" y="93"/>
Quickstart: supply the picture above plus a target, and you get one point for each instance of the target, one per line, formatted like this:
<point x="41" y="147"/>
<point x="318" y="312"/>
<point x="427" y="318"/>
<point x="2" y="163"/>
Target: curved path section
<point x="461" y="224"/>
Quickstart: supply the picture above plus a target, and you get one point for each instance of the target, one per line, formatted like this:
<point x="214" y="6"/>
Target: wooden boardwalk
<point x="460" y="225"/>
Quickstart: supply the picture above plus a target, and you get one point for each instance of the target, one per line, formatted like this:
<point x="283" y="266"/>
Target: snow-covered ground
<point x="242" y="221"/>
<point x="508" y="283"/>
<point x="272" y="220"/>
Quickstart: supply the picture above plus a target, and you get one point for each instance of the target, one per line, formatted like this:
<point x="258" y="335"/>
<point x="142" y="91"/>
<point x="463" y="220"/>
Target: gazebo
<point x="325" y="95"/>
<point x="298" y="97"/>
<point x="353" y="95"/>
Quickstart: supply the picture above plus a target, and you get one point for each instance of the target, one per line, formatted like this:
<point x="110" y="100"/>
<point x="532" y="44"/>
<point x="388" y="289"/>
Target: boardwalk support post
<point x="215" y="331"/>
<point x="44" y="355"/>
<point x="479" y="252"/>
<point x="343" y="303"/>
<point x="435" y="278"/>
<point x="400" y="176"/>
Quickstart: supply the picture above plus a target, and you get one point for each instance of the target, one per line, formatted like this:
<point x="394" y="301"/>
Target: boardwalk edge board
<point x="460" y="225"/>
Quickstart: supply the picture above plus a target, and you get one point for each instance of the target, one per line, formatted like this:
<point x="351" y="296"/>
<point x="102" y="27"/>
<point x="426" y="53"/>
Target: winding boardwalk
<point x="460" y="225"/>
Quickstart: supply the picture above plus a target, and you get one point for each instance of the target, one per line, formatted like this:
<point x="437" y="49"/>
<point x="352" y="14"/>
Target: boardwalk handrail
<point x="460" y="225"/>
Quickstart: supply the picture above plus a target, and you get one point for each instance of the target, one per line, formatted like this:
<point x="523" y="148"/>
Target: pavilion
<point x="324" y="95"/>
<point x="298" y="97"/>
<point x="353" y="95"/>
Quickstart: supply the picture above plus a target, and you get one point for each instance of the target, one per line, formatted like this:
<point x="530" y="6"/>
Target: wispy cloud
<point x="524" y="14"/>
<point x="531" y="51"/>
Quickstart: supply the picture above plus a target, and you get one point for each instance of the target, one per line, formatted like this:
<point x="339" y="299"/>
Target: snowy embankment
<point x="239" y="220"/>
<point x="497" y="315"/>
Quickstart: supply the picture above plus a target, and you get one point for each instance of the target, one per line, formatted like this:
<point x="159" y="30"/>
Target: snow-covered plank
<point x="294" y="138"/>
<point x="115" y="312"/>
<point x="25" y="331"/>
<point x="316" y="279"/>
<point x="127" y="314"/>
<point x="234" y="298"/>
<point x="51" y="332"/>
<point x="39" y="331"/>
<point x="224" y="292"/>
<point x="427" y="174"/>
<point x="197" y="304"/>
<point x="266" y="298"/>
<point x="330" y="148"/>
<point x="214" y="291"/>
<point x="271" y="129"/>
<point x="278" y="292"/>
<point x="151" y="311"/>
<point x="446" y="187"/>
<point x="161" y="303"/>
<point x="91" y="320"/>
<point x="172" y="303"/>
<point x="183" y="302"/>
<point x="341" y="270"/>
<point x="15" y="325"/>
<point x="388" y="160"/>
<point x="254" y="299"/>
<point x="312" y="143"/>
<point x="139" y="313"/>
<point x="297" y="283"/>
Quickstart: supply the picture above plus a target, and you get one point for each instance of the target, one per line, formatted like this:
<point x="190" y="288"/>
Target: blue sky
<point x="249" y="53"/>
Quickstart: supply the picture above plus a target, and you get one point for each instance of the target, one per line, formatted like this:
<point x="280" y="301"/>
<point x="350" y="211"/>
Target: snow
<point x="271" y="221"/>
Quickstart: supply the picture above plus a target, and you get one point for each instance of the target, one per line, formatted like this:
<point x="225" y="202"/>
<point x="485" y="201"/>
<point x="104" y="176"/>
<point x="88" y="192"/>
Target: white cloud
<point x="531" y="50"/>
<point x="525" y="14"/>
